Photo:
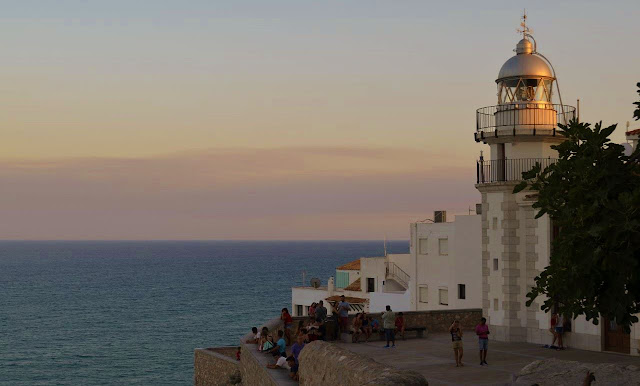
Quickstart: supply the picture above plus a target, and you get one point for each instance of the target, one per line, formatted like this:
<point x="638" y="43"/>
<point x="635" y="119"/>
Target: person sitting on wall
<point x="264" y="336"/>
<point x="357" y="328"/>
<point x="281" y="345"/>
<point x="300" y="328"/>
<point x="400" y="325"/>
<point x="280" y="362"/>
<point x="375" y="326"/>
<point x="268" y="344"/>
<point x="297" y="347"/>
<point x="321" y="329"/>
<point x="293" y="368"/>
<point x="256" y="336"/>
<point x="286" y="318"/>
<point x="366" y="327"/>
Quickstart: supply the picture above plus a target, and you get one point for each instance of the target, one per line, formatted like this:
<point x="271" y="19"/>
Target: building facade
<point x="516" y="247"/>
<point x="441" y="271"/>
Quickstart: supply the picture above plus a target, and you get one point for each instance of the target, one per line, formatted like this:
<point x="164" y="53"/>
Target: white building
<point x="632" y="138"/>
<point x="520" y="130"/>
<point x="442" y="271"/>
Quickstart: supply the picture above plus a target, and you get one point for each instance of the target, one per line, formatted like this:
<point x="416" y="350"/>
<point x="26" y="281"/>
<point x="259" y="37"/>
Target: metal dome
<point x="525" y="64"/>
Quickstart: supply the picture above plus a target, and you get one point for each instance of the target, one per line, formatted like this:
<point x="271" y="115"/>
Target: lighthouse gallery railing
<point x="508" y="169"/>
<point x="521" y="118"/>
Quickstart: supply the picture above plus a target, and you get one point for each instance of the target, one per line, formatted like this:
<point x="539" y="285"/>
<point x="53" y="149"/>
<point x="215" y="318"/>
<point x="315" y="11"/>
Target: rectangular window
<point x="423" y="246"/>
<point x="443" y="294"/>
<point x="495" y="223"/>
<point x="462" y="291"/>
<point x="495" y="304"/>
<point x="371" y="284"/>
<point x="443" y="246"/>
<point x="298" y="310"/>
<point x="424" y="294"/>
<point x="306" y="310"/>
<point x="495" y="264"/>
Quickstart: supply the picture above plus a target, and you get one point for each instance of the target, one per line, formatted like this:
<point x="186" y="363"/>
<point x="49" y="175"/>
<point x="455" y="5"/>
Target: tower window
<point x="495" y="264"/>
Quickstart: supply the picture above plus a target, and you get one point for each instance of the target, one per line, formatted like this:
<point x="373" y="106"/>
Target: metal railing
<point x="396" y="273"/>
<point x="522" y="118"/>
<point x="508" y="169"/>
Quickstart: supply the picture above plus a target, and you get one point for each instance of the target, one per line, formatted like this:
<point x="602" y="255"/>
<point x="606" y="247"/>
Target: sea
<point x="132" y="312"/>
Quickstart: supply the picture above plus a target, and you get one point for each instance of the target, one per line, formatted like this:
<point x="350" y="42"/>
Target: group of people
<point x="481" y="330"/>
<point x="313" y="329"/>
<point x="365" y="325"/>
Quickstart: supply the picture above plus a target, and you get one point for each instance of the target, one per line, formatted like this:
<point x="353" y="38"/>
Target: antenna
<point x="524" y="30"/>
<point x="385" y="245"/>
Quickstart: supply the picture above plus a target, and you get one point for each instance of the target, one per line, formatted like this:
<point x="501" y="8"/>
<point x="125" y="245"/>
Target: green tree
<point x="592" y="193"/>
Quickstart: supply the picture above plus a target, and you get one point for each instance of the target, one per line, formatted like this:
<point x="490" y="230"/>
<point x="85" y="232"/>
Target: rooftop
<point x="633" y="132"/>
<point x="350" y="266"/>
<point x="433" y="358"/>
<point x="355" y="286"/>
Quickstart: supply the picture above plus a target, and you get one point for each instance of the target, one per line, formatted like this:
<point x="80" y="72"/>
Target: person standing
<point x="482" y="330"/>
<point x="552" y="329"/>
<point x="456" y="338"/>
<point x="343" y="315"/>
<point x="560" y="331"/>
<point x="321" y="311"/>
<point x="388" y="322"/>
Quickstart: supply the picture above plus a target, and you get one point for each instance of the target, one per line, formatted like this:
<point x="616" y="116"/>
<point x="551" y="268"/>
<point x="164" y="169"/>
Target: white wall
<point x="398" y="301"/>
<point x="461" y="265"/>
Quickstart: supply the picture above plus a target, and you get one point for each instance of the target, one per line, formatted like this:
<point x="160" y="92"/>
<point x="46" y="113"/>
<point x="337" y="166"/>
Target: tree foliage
<point x="592" y="193"/>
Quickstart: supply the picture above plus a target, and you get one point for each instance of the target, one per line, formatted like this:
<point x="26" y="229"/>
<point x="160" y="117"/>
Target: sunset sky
<point x="272" y="119"/>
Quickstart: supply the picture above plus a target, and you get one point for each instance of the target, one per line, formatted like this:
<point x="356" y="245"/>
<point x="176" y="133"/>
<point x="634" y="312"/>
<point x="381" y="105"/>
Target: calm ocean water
<point x="89" y="313"/>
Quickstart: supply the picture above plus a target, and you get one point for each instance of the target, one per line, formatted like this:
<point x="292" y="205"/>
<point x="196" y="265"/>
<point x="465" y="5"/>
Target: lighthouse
<point x="520" y="130"/>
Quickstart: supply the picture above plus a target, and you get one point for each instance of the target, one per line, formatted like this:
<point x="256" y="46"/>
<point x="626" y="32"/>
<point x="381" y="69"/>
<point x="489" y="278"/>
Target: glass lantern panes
<point x="524" y="90"/>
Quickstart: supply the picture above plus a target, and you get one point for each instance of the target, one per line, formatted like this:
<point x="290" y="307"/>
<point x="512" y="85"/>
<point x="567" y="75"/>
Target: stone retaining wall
<point x="214" y="367"/>
<point x="323" y="363"/>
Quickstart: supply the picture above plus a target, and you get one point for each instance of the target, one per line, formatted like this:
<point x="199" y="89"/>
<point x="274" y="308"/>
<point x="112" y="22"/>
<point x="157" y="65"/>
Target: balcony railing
<point x="522" y="118"/>
<point x="508" y="169"/>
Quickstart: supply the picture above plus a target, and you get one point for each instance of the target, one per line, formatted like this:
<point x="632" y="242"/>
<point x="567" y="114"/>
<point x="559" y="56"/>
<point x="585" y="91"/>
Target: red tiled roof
<point x="355" y="286"/>
<point x="633" y="132"/>
<point x="351" y="266"/>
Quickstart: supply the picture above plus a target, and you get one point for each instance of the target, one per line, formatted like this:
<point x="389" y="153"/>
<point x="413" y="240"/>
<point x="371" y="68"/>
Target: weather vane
<point x="524" y="30"/>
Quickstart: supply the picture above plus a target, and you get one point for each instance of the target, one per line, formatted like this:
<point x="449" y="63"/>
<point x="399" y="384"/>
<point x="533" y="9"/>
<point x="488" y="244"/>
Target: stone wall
<point x="553" y="372"/>
<point x="214" y="367"/>
<point x="323" y="363"/>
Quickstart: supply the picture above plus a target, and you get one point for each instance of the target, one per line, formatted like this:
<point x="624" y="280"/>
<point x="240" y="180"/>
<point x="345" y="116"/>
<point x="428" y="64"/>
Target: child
<point x="238" y="354"/>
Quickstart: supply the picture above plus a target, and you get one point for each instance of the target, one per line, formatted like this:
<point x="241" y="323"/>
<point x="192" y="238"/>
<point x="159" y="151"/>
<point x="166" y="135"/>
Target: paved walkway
<point x="433" y="358"/>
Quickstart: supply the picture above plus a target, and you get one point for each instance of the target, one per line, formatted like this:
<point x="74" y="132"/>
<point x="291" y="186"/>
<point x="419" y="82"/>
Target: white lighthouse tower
<point x="520" y="131"/>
